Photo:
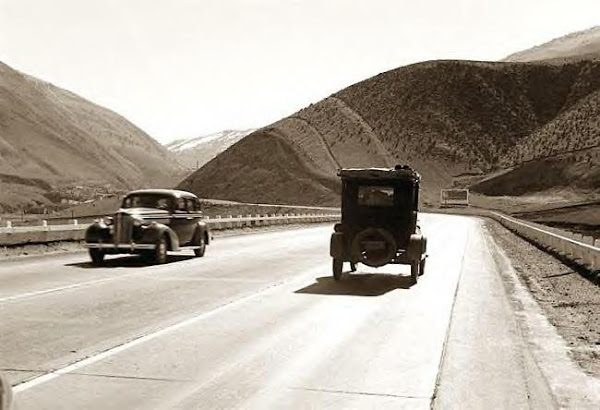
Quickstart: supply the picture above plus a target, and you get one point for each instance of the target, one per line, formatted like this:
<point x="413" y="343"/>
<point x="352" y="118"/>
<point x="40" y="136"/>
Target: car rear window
<point x="375" y="196"/>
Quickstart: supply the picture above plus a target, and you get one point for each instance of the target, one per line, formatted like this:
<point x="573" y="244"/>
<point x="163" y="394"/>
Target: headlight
<point x="104" y="221"/>
<point x="137" y="223"/>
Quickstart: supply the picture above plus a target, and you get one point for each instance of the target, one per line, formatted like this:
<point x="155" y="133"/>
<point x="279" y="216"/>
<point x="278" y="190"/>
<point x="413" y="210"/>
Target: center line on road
<point x="57" y="289"/>
<point x="48" y="376"/>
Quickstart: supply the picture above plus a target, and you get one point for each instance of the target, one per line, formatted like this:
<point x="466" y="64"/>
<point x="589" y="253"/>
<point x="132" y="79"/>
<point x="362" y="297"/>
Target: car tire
<point x="422" y="267"/>
<point x="97" y="256"/>
<point x="199" y="252"/>
<point x="414" y="272"/>
<point x="160" y="252"/>
<point x="338" y="265"/>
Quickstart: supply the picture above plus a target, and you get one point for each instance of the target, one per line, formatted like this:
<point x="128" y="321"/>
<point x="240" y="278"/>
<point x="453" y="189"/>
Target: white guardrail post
<point x="74" y="231"/>
<point x="584" y="250"/>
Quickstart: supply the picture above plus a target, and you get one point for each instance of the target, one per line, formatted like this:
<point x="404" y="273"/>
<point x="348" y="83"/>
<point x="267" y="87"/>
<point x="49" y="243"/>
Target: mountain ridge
<point x="583" y="44"/>
<point x="197" y="151"/>
<point x="447" y="118"/>
<point x="54" y="135"/>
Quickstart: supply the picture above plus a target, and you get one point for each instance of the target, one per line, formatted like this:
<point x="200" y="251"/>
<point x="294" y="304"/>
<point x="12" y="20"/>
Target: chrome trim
<point x="129" y="246"/>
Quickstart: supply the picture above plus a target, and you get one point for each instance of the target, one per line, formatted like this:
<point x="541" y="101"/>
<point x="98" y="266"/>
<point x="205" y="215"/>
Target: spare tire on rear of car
<point x="374" y="247"/>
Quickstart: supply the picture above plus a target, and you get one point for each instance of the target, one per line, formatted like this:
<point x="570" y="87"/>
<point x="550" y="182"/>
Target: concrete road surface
<point x="257" y="323"/>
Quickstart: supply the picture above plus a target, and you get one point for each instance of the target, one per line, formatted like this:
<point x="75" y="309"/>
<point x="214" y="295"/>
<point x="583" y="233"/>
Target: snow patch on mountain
<point x="196" y="151"/>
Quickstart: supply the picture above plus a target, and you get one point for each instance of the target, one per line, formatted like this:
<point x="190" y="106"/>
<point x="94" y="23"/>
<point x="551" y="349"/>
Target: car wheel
<point x="97" y="256"/>
<point x="414" y="272"/>
<point x="202" y="247"/>
<point x="160" y="252"/>
<point x="422" y="266"/>
<point x="338" y="265"/>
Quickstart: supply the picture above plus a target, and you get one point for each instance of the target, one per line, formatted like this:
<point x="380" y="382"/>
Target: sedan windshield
<point x="146" y="201"/>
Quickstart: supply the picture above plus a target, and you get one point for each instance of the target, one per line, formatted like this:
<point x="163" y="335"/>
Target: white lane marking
<point x="93" y="282"/>
<point x="51" y="290"/>
<point x="36" y="381"/>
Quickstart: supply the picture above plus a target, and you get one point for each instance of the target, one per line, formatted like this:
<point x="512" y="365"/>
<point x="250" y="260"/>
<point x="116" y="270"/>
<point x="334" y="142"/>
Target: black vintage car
<point x="379" y="220"/>
<point x="150" y="222"/>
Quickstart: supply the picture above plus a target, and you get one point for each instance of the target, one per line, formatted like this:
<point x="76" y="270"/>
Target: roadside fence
<point x="75" y="231"/>
<point x="583" y="250"/>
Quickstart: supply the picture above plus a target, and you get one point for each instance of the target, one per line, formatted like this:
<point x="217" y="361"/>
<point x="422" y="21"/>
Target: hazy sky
<point x="183" y="68"/>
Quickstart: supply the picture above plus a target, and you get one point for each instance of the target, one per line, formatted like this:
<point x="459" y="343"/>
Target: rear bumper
<point x="124" y="247"/>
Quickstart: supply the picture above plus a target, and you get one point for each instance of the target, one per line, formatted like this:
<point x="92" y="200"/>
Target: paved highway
<point x="257" y="323"/>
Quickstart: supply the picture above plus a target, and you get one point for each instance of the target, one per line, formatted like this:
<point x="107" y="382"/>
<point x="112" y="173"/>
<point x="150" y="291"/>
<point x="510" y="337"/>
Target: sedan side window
<point x="180" y="205"/>
<point x="190" y="205"/>
<point x="162" y="203"/>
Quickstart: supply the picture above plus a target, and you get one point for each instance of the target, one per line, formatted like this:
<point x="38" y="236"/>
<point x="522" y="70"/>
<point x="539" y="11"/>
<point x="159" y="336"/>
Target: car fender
<point x="417" y="246"/>
<point x="336" y="246"/>
<point x="203" y="229"/>
<point x="96" y="232"/>
<point x="155" y="230"/>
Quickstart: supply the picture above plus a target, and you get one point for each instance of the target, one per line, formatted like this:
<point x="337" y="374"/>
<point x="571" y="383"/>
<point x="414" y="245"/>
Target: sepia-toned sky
<point x="183" y="68"/>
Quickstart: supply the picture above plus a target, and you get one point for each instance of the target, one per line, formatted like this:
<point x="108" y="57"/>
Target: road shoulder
<point x="556" y="331"/>
<point x="486" y="362"/>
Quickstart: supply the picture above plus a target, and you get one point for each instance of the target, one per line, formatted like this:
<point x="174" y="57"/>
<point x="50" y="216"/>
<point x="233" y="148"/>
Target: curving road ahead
<point x="257" y="323"/>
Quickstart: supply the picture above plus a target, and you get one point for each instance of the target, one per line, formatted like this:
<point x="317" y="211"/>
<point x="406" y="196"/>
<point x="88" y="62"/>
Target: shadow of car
<point x="368" y="284"/>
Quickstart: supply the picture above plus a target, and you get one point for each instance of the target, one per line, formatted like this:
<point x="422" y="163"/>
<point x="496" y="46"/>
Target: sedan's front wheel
<point x="199" y="251"/>
<point x="160" y="252"/>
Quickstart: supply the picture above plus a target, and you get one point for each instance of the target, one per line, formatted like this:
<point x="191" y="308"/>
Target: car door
<point x="193" y="207"/>
<point x="183" y="221"/>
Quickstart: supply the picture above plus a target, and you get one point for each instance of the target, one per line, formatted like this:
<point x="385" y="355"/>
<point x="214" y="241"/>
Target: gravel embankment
<point x="569" y="296"/>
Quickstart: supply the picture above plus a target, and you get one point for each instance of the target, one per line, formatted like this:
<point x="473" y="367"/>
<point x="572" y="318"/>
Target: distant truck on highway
<point x="379" y="220"/>
<point x="150" y="222"/>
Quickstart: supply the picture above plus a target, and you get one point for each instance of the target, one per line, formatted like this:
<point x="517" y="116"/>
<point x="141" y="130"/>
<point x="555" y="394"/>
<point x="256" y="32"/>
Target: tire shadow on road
<point x="373" y="284"/>
<point x="128" y="261"/>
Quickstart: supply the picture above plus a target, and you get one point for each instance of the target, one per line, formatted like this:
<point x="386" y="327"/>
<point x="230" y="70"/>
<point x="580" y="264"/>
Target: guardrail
<point x="584" y="250"/>
<point x="45" y="233"/>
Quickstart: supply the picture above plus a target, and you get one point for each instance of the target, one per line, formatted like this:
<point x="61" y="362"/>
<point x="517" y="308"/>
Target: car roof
<point x="166" y="192"/>
<point x="399" y="172"/>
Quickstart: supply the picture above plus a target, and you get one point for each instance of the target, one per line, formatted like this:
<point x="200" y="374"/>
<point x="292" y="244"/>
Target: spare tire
<point x="374" y="247"/>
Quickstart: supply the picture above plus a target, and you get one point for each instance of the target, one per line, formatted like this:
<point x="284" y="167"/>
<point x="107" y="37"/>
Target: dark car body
<point x="379" y="220"/>
<point x="150" y="222"/>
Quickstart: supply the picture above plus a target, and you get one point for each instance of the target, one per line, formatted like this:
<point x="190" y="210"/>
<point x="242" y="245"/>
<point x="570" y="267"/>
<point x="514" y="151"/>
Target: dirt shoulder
<point x="568" y="297"/>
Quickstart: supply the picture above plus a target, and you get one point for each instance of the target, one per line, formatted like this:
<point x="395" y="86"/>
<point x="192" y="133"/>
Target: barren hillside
<point x="52" y="138"/>
<point x="447" y="118"/>
<point x="583" y="44"/>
